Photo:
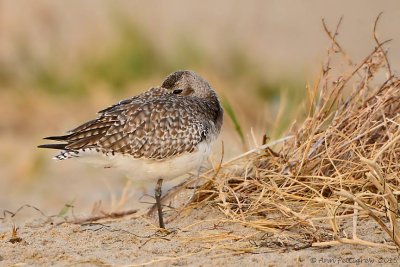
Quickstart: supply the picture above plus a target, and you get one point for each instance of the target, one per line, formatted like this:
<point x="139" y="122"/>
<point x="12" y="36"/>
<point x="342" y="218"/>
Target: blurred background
<point x="62" y="61"/>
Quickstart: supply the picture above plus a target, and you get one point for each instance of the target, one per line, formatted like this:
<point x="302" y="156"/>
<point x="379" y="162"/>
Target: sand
<point x="195" y="238"/>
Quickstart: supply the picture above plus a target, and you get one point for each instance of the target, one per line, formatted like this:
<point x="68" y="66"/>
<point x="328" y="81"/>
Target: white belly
<point x="148" y="170"/>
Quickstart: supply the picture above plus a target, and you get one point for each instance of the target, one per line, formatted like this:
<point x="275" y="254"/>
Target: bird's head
<point x="188" y="83"/>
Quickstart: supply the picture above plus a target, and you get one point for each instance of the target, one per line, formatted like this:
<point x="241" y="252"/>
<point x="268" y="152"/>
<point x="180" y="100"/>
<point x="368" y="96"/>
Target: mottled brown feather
<point x="156" y="124"/>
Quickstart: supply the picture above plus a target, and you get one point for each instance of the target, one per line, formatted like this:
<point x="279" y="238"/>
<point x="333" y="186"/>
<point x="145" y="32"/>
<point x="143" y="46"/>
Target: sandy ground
<point x="197" y="238"/>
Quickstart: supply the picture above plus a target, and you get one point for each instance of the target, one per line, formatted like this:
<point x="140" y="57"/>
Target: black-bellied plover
<point x="157" y="135"/>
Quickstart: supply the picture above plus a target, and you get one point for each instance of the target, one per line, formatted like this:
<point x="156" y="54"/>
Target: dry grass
<point x="341" y="164"/>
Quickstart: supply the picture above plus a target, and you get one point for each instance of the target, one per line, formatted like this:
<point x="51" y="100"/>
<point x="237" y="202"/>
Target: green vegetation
<point x="132" y="58"/>
<point x="229" y="110"/>
<point x="67" y="207"/>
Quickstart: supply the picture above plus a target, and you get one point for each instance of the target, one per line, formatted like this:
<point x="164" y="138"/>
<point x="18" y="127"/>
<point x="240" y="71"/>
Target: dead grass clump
<point x="342" y="163"/>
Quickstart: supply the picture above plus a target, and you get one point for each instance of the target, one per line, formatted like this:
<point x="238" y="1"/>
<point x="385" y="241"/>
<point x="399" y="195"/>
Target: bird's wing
<point x="158" y="125"/>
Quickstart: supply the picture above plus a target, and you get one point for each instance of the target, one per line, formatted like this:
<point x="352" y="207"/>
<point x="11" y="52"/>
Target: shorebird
<point x="157" y="135"/>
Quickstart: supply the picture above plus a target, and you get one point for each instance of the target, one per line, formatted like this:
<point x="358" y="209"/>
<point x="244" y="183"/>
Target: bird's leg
<point x="158" y="202"/>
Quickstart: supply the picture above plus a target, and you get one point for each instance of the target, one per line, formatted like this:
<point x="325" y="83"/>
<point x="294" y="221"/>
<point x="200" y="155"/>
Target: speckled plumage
<point x="160" y="124"/>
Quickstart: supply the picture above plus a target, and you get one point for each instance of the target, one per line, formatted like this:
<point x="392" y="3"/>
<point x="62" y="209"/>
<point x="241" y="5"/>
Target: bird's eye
<point x="177" y="91"/>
